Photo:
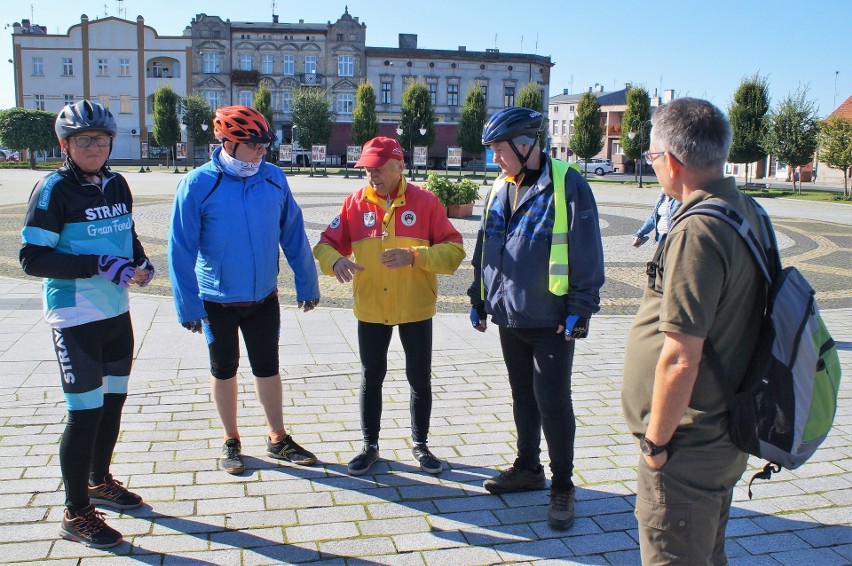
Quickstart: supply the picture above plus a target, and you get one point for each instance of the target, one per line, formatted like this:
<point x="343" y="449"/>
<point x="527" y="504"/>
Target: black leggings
<point x="373" y="342"/>
<point x="86" y="448"/>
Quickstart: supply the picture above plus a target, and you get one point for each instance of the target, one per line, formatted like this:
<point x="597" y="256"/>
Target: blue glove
<point x="147" y="265"/>
<point x="192" y="325"/>
<point x="476" y="316"/>
<point x="576" y="326"/>
<point x="116" y="270"/>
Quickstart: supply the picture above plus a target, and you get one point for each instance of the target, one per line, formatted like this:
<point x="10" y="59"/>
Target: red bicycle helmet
<point x="241" y="124"/>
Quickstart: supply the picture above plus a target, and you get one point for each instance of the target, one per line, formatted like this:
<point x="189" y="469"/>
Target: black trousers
<point x="539" y="362"/>
<point x="373" y="342"/>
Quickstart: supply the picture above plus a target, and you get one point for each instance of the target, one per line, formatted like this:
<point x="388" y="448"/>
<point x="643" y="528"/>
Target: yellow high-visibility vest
<point x="558" y="265"/>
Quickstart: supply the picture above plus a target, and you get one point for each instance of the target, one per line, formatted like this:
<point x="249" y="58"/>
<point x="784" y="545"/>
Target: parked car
<point x="16" y="156"/>
<point x="597" y="165"/>
<point x="3" y="156"/>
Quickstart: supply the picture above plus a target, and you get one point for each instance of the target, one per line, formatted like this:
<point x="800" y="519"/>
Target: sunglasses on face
<point x="86" y="141"/>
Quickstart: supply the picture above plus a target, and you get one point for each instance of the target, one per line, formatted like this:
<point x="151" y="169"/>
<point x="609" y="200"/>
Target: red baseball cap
<point x="377" y="151"/>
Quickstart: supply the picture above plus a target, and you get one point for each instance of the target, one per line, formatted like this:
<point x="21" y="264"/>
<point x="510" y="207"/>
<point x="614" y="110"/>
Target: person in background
<point x="659" y="220"/>
<point x="401" y="239"/>
<point x="230" y="217"/>
<point x="80" y="236"/>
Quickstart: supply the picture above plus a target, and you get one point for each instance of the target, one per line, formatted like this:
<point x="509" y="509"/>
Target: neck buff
<point x="236" y="167"/>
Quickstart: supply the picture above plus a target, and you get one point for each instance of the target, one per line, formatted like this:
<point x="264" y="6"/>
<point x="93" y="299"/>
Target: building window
<point x="564" y="127"/>
<point x="67" y="67"/>
<point x="339" y="37"/>
<point x="289" y="65"/>
<point x="386" y="92"/>
<point x="157" y="69"/>
<point x="213" y="98"/>
<point x="310" y="65"/>
<point x="245" y="62"/>
<point x="212" y="63"/>
<point x="555" y="127"/>
<point x="104" y="100"/>
<point x="125" y="104"/>
<point x="124" y="67"/>
<point x="246" y="97"/>
<point x="38" y="66"/>
<point x="508" y="96"/>
<point x="286" y="101"/>
<point x="570" y="109"/>
<point x="452" y="95"/>
<point x="616" y="148"/>
<point x="570" y="127"/>
<point x="345" y="66"/>
<point x="67" y="99"/>
<point x="39" y="101"/>
<point x="433" y="93"/>
<point x="345" y="103"/>
<point x="103" y="68"/>
<point x="266" y="64"/>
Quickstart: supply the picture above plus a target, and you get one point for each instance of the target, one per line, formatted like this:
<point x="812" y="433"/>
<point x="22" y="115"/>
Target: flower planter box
<point x="460" y="210"/>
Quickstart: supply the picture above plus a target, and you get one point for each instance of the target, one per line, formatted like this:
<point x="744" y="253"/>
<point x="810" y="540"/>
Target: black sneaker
<point x="428" y="462"/>
<point x="288" y="450"/>
<point x="560" y="516"/>
<point x="515" y="479"/>
<point x="362" y="462"/>
<point x="112" y="493"/>
<point x="231" y="458"/>
<point x="88" y="527"/>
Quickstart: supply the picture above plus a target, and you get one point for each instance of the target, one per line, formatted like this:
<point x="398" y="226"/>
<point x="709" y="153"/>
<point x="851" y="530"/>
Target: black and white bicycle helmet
<point x="84" y="116"/>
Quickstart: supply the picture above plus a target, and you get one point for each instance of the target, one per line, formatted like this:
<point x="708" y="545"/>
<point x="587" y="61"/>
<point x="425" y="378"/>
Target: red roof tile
<point x="844" y="110"/>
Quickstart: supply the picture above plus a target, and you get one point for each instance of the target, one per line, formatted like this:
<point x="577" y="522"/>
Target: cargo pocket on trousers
<point x="670" y="526"/>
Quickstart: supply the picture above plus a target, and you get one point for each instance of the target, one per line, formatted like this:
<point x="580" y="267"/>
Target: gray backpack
<point x="786" y="402"/>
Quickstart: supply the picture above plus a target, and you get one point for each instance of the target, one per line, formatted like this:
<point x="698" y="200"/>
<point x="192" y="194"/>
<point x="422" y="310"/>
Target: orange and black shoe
<point x="112" y="493"/>
<point x="87" y="527"/>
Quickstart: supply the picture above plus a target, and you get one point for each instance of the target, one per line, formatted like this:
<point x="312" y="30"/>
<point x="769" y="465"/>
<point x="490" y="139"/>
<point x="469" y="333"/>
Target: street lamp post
<point x="632" y="135"/>
<point x="422" y="131"/>
<point x="399" y="132"/>
<point x="204" y="127"/>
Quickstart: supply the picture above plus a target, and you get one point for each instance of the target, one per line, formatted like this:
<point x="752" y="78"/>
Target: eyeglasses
<point x="255" y="146"/>
<point x="651" y="156"/>
<point x="86" y="141"/>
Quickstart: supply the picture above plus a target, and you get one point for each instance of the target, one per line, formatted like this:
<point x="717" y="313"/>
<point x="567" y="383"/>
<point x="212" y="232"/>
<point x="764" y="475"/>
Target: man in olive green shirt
<point x="706" y="289"/>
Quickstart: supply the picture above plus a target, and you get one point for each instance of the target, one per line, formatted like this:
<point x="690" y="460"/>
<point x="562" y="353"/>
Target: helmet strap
<point x="522" y="158"/>
<point x="231" y="153"/>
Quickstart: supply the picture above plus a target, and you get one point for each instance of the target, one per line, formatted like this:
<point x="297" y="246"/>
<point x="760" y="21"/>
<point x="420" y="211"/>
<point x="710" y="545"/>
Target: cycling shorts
<point x="260" y="324"/>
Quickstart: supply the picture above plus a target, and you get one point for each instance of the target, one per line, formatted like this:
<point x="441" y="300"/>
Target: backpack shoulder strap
<point x="764" y="252"/>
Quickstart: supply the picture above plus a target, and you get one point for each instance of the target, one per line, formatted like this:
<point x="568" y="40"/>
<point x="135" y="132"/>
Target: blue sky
<point x="699" y="48"/>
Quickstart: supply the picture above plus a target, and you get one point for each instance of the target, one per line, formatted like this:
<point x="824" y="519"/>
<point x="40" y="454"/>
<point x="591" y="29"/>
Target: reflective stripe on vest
<point x="558" y="264"/>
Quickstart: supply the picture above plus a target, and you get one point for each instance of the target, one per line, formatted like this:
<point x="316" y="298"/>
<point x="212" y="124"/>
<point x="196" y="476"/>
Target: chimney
<point x="408" y="41"/>
<point x="462" y="48"/>
<point x="564" y="91"/>
<point x="274" y="18"/>
<point x="668" y="95"/>
<point x="25" y="24"/>
<point x="301" y="21"/>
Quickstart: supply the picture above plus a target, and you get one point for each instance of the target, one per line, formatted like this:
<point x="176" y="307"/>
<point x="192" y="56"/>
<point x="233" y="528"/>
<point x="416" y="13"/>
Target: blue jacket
<point x="224" y="239"/>
<point x="515" y="264"/>
<point x="653" y="220"/>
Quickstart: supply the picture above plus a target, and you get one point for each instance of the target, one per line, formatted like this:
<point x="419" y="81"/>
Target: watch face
<point x="644" y="447"/>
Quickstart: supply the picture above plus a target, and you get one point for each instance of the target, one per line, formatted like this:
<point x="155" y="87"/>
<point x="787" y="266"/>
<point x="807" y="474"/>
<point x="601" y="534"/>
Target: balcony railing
<point x="250" y="78"/>
<point x="311" y="79"/>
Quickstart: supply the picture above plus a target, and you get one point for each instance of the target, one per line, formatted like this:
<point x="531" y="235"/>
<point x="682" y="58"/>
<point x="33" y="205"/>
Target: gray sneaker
<point x="289" y="450"/>
<point x="231" y="459"/>
<point x="560" y="515"/>
<point x="361" y="463"/>
<point x="515" y="479"/>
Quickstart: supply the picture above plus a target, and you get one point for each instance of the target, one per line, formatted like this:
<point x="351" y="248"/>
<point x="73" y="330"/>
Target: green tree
<point x="636" y="119"/>
<point x="263" y="104"/>
<point x="28" y="129"/>
<point x="793" y="131"/>
<point x="416" y="113"/>
<point x="748" y="120"/>
<point x="472" y="120"/>
<point x="530" y="97"/>
<point x="835" y="149"/>
<point x="196" y="112"/>
<point x="166" y="126"/>
<point x="312" y="117"/>
<point x="365" y="124"/>
<point x="587" y="139"/>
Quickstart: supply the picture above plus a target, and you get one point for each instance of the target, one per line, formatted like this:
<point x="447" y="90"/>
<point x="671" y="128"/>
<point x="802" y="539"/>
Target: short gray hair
<point x="695" y="131"/>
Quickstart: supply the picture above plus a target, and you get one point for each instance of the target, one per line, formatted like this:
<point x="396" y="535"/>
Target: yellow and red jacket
<point x="366" y="226"/>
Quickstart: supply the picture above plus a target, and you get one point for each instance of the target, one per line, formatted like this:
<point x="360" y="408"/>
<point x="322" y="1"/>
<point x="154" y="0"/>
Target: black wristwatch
<point x="648" y="448"/>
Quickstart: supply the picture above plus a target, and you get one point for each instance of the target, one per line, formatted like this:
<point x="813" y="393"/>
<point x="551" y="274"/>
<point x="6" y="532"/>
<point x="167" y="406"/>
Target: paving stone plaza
<point x="276" y="513"/>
